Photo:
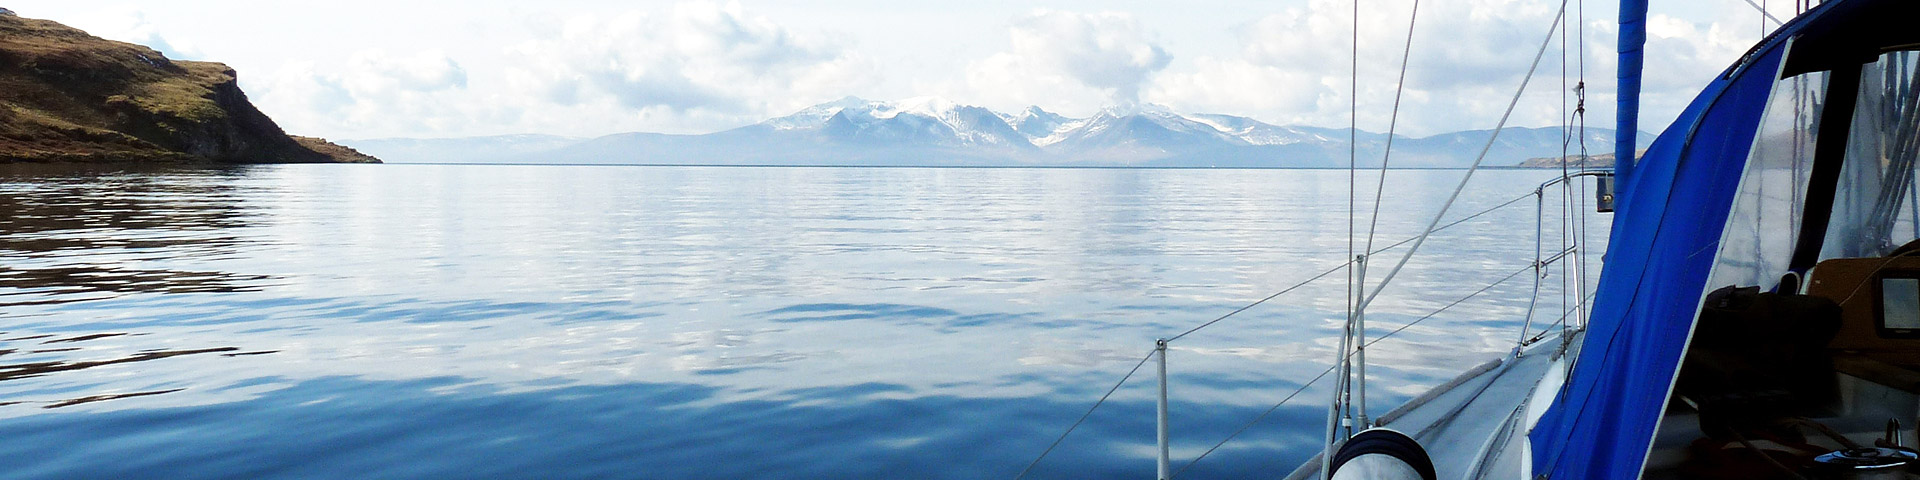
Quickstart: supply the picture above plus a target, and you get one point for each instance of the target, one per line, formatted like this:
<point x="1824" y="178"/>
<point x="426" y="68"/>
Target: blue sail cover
<point x="1626" y="122"/>
<point x="1666" y="232"/>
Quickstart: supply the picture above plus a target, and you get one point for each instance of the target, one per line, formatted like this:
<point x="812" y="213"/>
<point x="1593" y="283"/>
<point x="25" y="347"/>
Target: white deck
<point x="1482" y="413"/>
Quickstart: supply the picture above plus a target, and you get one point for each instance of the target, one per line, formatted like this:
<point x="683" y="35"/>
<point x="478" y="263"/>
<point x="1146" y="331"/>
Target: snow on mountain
<point x="919" y="120"/>
<point x="815" y="116"/>
<point x="938" y="121"/>
<point x="1143" y="130"/>
<point x="1036" y="123"/>
<point x="936" y="131"/>
<point x="1255" y="132"/>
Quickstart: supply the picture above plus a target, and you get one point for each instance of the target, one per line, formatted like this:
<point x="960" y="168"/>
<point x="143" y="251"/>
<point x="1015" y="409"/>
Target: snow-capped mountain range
<point x="931" y="131"/>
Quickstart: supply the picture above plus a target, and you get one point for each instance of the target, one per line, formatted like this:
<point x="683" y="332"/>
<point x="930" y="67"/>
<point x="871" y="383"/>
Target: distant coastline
<point x="933" y="132"/>
<point x="1604" y="160"/>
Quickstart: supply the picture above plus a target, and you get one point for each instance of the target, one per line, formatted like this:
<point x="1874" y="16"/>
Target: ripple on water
<point x="682" y="322"/>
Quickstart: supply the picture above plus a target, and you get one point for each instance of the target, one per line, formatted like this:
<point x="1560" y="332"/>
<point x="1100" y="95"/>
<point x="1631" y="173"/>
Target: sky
<point x="355" y="69"/>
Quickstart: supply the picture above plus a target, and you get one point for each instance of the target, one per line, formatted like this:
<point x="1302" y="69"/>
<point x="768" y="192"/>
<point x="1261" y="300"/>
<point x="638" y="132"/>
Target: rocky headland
<point x="67" y="96"/>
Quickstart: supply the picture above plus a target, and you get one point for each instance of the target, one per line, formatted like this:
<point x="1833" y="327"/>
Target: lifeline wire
<point x="1324" y="373"/>
<point x="1083" y="417"/>
<point x="1256" y="420"/>
<point x="1143" y="361"/>
<point x="1338" y="267"/>
<point x="1455" y="302"/>
<point x="1564" y="316"/>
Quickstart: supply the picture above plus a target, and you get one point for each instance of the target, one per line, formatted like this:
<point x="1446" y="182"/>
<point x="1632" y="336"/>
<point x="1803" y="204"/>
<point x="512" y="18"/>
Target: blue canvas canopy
<point x="1672" y="211"/>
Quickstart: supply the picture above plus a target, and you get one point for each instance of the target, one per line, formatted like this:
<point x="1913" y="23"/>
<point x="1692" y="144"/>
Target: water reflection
<point x="74" y="233"/>
<point x="638" y="430"/>
<point x="89" y="233"/>
<point x="696" y="322"/>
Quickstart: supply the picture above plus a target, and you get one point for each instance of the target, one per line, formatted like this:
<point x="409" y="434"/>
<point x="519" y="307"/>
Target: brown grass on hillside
<point x="339" y="152"/>
<point x="69" y="96"/>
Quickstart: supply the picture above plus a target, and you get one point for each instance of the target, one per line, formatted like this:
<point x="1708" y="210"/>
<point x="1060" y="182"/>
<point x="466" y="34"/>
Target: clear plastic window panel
<point x="1759" y="239"/>
<point x="1874" y="204"/>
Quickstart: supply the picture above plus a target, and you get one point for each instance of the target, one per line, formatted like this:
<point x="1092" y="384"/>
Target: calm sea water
<point x="407" y="321"/>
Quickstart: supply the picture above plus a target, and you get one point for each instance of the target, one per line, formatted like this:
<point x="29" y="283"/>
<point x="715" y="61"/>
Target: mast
<point x="1633" y="39"/>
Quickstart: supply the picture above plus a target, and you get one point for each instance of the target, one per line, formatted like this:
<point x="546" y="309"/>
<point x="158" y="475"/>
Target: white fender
<point x="1382" y="454"/>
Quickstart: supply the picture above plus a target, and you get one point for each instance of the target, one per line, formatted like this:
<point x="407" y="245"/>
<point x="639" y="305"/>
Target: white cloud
<point x="600" y="67"/>
<point x="373" y="91"/>
<point x="132" y="26"/>
<point x="1467" y="59"/>
<point x="1682" y="56"/>
<point x="1238" y="86"/>
<point x="693" y="67"/>
<point x="697" y="63"/>
<point x="1081" y="60"/>
<point x="1104" y="50"/>
<point x="1294" y="66"/>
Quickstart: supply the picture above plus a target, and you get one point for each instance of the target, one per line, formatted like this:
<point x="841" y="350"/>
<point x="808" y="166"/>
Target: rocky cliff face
<point x="66" y="96"/>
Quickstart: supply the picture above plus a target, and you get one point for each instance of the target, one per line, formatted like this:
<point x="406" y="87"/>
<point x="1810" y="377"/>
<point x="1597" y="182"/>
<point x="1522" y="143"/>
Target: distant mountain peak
<point x="1130" y="109"/>
<point x="937" y="130"/>
<point x="1036" y="123"/>
<point x="929" y="106"/>
<point x="1034" y="111"/>
<point x="817" y="115"/>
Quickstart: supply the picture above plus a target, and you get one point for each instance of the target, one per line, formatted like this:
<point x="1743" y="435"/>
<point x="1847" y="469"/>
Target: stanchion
<point x="1166" y="459"/>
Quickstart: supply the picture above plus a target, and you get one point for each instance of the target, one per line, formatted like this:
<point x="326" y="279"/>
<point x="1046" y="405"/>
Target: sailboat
<point x="1758" y="312"/>
<point x="1758" y="315"/>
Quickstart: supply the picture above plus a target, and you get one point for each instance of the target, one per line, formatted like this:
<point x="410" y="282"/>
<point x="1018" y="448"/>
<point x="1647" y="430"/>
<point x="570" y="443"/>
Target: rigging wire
<point x="1143" y="361"/>
<point x="1476" y="162"/>
<point x="1567" y="187"/>
<point x="1764" y="13"/>
<point x="1432" y="227"/>
<point x="1566" y="143"/>
<point x="1330" y="369"/>
<point x="1580" y="111"/>
<point x="1340" y="408"/>
<point x="1323" y="274"/>
<point x="1393" y="122"/>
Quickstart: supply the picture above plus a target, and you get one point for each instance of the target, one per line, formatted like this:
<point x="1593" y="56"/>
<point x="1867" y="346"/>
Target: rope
<point x="1083" y="417"/>
<point x="1502" y="125"/>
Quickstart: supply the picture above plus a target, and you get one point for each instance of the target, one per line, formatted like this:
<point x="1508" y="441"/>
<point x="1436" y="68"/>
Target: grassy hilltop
<point x="66" y="96"/>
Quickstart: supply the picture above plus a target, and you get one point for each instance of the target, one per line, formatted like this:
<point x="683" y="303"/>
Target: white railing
<point x="1569" y="253"/>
